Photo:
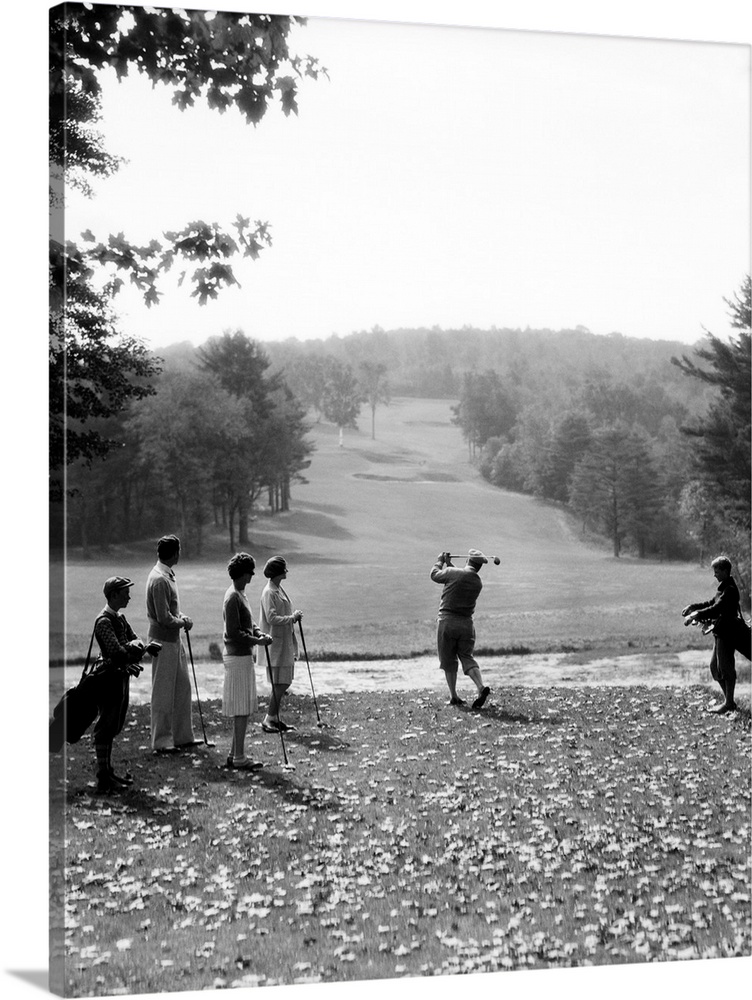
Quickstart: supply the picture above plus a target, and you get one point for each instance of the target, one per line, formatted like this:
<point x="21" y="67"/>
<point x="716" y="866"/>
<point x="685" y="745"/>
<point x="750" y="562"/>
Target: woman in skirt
<point x="278" y="618"/>
<point x="241" y="634"/>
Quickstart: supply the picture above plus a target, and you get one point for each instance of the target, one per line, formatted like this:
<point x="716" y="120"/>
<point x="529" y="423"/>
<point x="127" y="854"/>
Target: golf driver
<point x="320" y="724"/>
<point x="288" y="765"/>
<point x="198" y="700"/>
<point x="494" y="559"/>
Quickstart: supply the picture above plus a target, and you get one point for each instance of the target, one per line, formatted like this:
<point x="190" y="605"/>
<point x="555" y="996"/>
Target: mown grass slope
<point x="364" y="532"/>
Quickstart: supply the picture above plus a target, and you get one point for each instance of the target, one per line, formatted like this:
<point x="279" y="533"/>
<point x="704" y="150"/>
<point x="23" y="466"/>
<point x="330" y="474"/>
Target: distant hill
<point x="431" y="362"/>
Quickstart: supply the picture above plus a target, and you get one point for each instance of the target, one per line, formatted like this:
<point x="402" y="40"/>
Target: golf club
<point x="288" y="765"/>
<point x="707" y="627"/>
<point x="494" y="559"/>
<point x="198" y="700"/>
<point x="321" y="725"/>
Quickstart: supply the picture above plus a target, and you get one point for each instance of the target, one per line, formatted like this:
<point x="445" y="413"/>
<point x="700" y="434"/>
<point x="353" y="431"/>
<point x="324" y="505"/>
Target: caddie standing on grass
<point x="121" y="651"/>
<point x="455" y="636"/>
<point x="724" y="611"/>
<point x="171" y="720"/>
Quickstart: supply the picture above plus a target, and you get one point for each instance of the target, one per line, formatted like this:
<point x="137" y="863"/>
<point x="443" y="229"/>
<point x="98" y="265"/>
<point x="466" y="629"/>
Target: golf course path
<point x="422" y="673"/>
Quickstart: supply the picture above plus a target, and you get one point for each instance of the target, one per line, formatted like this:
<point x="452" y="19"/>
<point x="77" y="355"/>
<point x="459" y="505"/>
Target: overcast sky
<point x="454" y="176"/>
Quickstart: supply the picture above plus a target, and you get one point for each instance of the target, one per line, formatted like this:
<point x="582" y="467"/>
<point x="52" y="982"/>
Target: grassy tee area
<point x="555" y="828"/>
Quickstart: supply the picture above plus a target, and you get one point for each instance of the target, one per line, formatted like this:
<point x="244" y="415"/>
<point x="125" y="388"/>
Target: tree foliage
<point x="486" y="408"/>
<point x="242" y="368"/>
<point x="270" y="450"/>
<point x="93" y="372"/>
<point x="375" y="385"/>
<point x="722" y="437"/>
<point x="615" y="486"/>
<point x="227" y="60"/>
<point x="343" y="395"/>
<point x="181" y="430"/>
<point x="721" y="440"/>
<point x="570" y="439"/>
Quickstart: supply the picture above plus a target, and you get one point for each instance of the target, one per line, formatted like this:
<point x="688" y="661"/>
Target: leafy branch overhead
<point x="197" y="242"/>
<point x="224" y="58"/>
<point x="227" y="60"/>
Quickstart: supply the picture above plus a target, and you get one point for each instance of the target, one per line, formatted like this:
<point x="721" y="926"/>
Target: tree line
<point x="214" y="436"/>
<point x="660" y="472"/>
<point x="646" y="447"/>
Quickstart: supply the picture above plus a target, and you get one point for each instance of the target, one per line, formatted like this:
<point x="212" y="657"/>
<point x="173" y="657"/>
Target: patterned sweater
<point x="113" y="633"/>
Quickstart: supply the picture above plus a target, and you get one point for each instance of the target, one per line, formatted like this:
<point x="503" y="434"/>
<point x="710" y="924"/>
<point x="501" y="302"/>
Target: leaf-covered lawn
<point x="555" y="828"/>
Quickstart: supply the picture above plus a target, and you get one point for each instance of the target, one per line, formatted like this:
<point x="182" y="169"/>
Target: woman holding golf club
<point x="278" y="618"/>
<point x="241" y="634"/>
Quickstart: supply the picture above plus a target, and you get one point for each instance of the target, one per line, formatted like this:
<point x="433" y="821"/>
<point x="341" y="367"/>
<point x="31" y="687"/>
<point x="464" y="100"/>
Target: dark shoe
<point x="125" y="780"/>
<point x="248" y="765"/>
<point x="165" y="751"/>
<point x="480" y="701"/>
<point x="285" y="728"/>
<point x="456" y="701"/>
<point x="106" y="786"/>
<point x="271" y="727"/>
<point x="724" y="709"/>
<point x="189" y="745"/>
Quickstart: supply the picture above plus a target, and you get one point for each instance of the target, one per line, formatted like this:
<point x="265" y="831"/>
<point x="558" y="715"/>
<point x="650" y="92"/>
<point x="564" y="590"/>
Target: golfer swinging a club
<point x="455" y="637"/>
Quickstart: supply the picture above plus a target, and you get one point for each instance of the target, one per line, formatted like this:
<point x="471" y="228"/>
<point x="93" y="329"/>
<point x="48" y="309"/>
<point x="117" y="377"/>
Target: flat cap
<point x="114" y="583"/>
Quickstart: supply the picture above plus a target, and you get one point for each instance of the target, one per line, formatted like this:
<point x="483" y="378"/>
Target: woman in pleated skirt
<point x="241" y="634"/>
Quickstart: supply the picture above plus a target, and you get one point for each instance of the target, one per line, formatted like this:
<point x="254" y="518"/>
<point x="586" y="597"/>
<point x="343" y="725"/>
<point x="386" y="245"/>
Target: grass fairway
<point x="558" y="828"/>
<point x="361" y="539"/>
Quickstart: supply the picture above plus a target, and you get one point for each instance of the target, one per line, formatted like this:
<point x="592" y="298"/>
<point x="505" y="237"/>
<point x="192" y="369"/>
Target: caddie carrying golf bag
<point x="743" y="637"/>
<point x="78" y="707"/>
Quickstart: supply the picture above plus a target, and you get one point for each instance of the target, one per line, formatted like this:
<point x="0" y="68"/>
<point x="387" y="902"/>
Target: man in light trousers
<point x="171" y="720"/>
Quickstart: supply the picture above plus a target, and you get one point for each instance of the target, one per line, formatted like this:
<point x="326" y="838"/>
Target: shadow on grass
<point x="279" y="779"/>
<point x="325" y="508"/>
<point x="319" y="739"/>
<point x="500" y="714"/>
<point x="211" y="773"/>
<point x="304" y="522"/>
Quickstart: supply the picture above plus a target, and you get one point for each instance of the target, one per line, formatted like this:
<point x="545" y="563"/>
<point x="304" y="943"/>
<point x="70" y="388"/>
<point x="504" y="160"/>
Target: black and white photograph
<point x="394" y="513"/>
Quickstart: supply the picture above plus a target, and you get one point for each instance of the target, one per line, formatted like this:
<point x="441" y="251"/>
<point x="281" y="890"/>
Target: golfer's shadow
<point x="299" y="794"/>
<point x="498" y="714"/>
<point x="318" y="739"/>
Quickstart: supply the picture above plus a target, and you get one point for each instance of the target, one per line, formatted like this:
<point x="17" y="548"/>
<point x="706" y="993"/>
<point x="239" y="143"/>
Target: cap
<point x="275" y="566"/>
<point x="475" y="557"/>
<point x="116" y="583"/>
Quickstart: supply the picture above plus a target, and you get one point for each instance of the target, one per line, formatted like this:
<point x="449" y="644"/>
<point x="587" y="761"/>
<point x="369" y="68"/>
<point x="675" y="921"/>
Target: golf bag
<point x="743" y="637"/>
<point x="78" y="707"/>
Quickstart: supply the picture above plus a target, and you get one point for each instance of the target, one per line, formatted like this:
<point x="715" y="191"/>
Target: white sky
<point x="451" y="176"/>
